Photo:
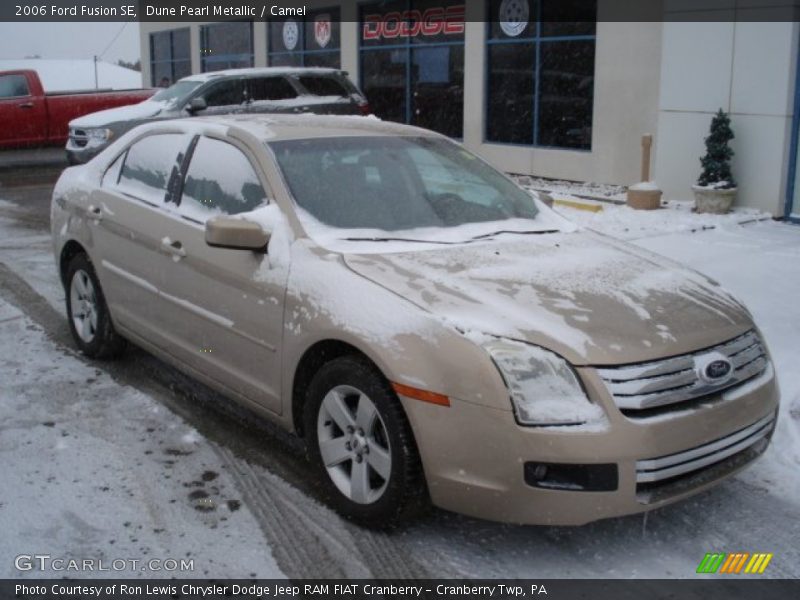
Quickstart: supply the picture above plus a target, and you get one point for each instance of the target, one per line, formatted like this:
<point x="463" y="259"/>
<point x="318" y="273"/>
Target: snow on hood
<point x="591" y="299"/>
<point x="131" y="112"/>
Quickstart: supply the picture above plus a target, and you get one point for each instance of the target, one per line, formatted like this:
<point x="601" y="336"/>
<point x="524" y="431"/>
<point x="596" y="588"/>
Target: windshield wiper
<point x="531" y="232"/>
<point x="394" y="239"/>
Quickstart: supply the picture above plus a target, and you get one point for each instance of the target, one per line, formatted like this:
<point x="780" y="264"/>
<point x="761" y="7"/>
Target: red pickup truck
<point x="31" y="117"/>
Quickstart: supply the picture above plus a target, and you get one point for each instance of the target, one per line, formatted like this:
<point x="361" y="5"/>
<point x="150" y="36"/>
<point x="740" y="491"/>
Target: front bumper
<point x="475" y="457"/>
<point x="80" y="151"/>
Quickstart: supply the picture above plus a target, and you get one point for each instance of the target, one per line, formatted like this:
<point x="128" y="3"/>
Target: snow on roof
<point x="59" y="75"/>
<point x="250" y="72"/>
<point x="280" y="126"/>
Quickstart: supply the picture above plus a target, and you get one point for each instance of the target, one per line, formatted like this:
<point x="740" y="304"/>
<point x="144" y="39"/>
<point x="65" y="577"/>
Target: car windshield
<point x="175" y="92"/>
<point x="397" y="183"/>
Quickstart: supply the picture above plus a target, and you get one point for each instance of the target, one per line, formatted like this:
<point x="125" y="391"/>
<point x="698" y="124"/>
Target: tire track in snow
<point x="296" y="544"/>
<point x="308" y="539"/>
<point x="289" y="516"/>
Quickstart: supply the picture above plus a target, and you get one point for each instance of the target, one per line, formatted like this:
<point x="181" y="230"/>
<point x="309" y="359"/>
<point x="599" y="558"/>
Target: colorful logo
<point x="322" y="30"/>
<point x="734" y="563"/>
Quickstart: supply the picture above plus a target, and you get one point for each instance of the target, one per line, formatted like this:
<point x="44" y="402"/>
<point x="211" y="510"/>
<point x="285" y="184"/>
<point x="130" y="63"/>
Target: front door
<point x="23" y="118"/>
<point x="223" y="306"/>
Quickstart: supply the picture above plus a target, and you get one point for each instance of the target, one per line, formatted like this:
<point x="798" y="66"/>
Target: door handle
<point x="95" y="212"/>
<point x="175" y="248"/>
<point x="25" y="105"/>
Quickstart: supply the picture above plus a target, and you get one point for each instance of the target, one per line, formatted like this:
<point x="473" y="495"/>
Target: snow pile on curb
<point x="676" y="217"/>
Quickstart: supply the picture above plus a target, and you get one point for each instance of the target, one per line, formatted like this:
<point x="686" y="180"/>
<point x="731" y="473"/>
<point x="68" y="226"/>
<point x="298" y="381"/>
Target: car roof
<point x="277" y="127"/>
<point x="261" y="71"/>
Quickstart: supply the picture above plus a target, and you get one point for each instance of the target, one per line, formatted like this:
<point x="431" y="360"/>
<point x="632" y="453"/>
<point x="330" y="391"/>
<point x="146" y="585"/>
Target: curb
<point x="576" y="204"/>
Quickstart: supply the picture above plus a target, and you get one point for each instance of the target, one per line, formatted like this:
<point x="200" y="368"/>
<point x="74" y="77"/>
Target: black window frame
<point x="537" y="39"/>
<point x="206" y="59"/>
<point x="172" y="61"/>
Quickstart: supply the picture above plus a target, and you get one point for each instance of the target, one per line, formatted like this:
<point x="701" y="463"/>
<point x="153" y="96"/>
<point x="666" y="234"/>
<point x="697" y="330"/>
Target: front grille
<point x="657" y="491"/>
<point x="78" y="137"/>
<point x="671" y="381"/>
<point x="678" y="464"/>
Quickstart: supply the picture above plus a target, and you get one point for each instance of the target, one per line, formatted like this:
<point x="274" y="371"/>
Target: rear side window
<point x="13" y="86"/>
<point x="220" y="180"/>
<point x="323" y="86"/>
<point x="149" y="165"/>
<point x="270" y="88"/>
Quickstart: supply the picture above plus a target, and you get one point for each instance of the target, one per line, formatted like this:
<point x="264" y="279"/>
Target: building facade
<point x="550" y="88"/>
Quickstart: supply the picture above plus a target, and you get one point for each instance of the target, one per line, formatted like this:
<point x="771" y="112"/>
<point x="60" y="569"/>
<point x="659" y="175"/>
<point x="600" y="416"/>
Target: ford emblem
<point x="713" y="368"/>
<point x="718" y="369"/>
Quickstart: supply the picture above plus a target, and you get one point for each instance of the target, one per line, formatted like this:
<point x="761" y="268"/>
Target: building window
<point x="170" y="57"/>
<point x="540" y="72"/>
<point x="226" y="45"/>
<point x="412" y="62"/>
<point x="313" y="41"/>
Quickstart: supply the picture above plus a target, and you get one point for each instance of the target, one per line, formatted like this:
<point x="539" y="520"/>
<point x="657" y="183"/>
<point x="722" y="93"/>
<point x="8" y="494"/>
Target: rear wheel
<point x="361" y="442"/>
<point x="89" y="319"/>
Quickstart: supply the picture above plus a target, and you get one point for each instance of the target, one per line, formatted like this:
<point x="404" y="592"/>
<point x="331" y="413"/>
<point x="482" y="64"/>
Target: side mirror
<point x="196" y="105"/>
<point x="228" y="232"/>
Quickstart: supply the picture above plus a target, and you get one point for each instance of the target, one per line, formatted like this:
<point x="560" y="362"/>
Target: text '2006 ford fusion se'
<point x="433" y="332"/>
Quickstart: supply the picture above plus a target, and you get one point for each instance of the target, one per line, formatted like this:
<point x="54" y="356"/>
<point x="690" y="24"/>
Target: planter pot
<point x="710" y="200"/>
<point x="644" y="199"/>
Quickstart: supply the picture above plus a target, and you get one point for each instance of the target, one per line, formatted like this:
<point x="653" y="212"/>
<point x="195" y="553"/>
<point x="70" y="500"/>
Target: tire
<point x="357" y="479"/>
<point x="87" y="312"/>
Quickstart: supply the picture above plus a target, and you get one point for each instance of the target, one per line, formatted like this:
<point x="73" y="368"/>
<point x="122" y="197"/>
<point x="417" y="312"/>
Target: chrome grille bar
<point x="673" y="465"/>
<point x="660" y="383"/>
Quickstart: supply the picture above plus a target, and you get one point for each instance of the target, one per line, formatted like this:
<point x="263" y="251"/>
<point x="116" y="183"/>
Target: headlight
<point x="99" y="135"/>
<point x="544" y="388"/>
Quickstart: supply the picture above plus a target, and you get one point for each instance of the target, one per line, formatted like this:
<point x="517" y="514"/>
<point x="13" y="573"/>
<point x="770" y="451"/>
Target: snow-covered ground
<point x="99" y="464"/>
<point x="95" y="469"/>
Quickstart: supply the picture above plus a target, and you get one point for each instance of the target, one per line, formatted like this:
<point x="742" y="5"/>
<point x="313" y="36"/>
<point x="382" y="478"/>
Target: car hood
<point x="592" y="299"/>
<point x="131" y="112"/>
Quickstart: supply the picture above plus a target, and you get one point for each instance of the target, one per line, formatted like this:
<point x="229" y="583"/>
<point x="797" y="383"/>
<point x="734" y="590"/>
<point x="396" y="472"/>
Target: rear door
<point x="23" y="117"/>
<point x="129" y="227"/>
<point x="224" y="306"/>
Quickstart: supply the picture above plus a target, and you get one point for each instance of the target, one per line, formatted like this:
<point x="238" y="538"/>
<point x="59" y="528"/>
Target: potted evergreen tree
<point x="716" y="189"/>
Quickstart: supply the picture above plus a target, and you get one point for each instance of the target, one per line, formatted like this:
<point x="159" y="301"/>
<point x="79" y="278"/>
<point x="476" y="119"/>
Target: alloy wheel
<point x="83" y="306"/>
<point x="354" y="444"/>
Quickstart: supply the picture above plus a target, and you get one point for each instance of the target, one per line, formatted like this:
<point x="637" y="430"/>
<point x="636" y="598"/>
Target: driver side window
<point x="220" y="180"/>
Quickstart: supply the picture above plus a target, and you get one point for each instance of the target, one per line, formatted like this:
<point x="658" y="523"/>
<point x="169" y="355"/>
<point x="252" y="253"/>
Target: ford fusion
<point x="433" y="332"/>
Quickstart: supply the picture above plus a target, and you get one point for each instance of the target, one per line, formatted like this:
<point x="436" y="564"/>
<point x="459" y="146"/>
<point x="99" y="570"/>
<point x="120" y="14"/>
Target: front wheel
<point x="362" y="444"/>
<point x="89" y="319"/>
